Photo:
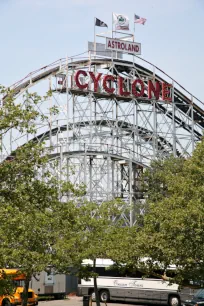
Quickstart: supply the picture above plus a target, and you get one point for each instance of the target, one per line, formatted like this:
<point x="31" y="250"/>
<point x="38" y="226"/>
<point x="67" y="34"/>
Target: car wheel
<point x="6" y="303"/>
<point x="174" y="301"/>
<point x="104" y="296"/>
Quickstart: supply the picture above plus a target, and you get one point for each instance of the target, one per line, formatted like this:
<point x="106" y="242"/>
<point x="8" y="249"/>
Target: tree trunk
<point x="95" y="285"/>
<point x="25" y="291"/>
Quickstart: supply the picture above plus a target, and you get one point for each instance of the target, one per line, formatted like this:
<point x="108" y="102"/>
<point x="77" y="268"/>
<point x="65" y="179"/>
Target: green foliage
<point x="87" y="231"/>
<point x="173" y="227"/>
<point x="29" y="195"/>
<point x="37" y="229"/>
<point x="20" y="116"/>
<point x="6" y="284"/>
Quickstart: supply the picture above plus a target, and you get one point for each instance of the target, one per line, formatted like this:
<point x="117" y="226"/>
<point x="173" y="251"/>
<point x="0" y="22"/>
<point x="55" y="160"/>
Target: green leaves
<point x="86" y="231"/>
<point x="171" y="229"/>
<point x="173" y="225"/>
<point x="6" y="284"/>
<point x="28" y="195"/>
<point x="21" y="115"/>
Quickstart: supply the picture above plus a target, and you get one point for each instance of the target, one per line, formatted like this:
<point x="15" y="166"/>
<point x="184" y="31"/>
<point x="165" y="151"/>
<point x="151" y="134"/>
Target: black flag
<point x="100" y="23"/>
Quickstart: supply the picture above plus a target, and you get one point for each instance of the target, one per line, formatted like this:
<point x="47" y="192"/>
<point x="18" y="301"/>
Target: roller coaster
<point x="106" y="140"/>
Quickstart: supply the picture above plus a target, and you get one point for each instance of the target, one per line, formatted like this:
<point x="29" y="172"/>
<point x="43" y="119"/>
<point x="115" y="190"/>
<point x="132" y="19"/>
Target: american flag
<point x="138" y="19"/>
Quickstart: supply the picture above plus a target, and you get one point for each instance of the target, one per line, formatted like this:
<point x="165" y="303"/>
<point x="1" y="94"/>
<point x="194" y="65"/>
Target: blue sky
<point x="35" y="33"/>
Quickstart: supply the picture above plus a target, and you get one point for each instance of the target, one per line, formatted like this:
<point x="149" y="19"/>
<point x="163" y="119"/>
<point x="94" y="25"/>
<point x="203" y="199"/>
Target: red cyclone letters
<point x="155" y="90"/>
<point x="166" y="92"/>
<point x="120" y="86"/>
<point x="95" y="79"/>
<point x="109" y="78"/>
<point x="81" y="86"/>
<point x="107" y="84"/>
<point x="134" y="90"/>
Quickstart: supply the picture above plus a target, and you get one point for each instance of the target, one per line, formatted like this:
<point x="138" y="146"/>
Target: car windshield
<point x="200" y="294"/>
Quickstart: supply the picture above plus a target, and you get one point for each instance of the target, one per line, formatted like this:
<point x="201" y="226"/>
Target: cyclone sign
<point x="119" y="86"/>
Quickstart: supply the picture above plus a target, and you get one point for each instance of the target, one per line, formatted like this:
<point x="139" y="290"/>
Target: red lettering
<point x="95" y="79"/>
<point x="109" y="44"/>
<point x="122" y="46"/>
<point x="155" y="90"/>
<point x="136" y="93"/>
<point x="166" y="92"/>
<point x="129" y="48"/>
<point x="108" y="89"/>
<point x="78" y="84"/>
<point x="118" y="45"/>
<point x="120" y="86"/>
<point x="113" y="44"/>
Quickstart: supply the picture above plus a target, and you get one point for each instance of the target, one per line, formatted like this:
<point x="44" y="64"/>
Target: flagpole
<point x="112" y="37"/>
<point x="112" y="24"/>
<point x="134" y="26"/>
<point x="94" y="35"/>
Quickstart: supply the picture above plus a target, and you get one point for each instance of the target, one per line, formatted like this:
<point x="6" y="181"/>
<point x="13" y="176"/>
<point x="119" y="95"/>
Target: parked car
<point x="197" y="299"/>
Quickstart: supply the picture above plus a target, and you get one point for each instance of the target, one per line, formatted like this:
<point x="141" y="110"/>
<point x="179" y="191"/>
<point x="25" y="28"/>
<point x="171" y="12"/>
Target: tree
<point x="33" y="215"/>
<point x="38" y="229"/>
<point x="6" y="284"/>
<point x="91" y="237"/>
<point x="28" y="200"/>
<point x="172" y="228"/>
<point x="27" y="206"/>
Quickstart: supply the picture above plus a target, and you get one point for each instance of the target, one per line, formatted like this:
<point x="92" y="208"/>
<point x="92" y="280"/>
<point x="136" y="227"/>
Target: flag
<point x="138" y="19"/>
<point x="121" y="22"/>
<point x="100" y="23"/>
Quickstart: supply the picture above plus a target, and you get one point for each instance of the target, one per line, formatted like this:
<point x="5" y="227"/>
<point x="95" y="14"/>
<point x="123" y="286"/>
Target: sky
<point x="35" y="33"/>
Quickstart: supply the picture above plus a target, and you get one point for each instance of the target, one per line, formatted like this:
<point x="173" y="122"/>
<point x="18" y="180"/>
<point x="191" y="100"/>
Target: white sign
<point x="123" y="46"/>
<point x="49" y="279"/>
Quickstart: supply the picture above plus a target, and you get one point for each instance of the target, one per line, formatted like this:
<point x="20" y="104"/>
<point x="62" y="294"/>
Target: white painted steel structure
<point x="105" y="141"/>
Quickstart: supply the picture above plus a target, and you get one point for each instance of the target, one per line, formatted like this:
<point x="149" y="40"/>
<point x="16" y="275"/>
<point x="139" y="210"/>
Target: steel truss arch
<point x="146" y="135"/>
<point x="108" y="139"/>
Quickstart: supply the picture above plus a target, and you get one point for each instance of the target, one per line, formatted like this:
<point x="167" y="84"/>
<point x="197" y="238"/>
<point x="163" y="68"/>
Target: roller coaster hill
<point x="115" y="116"/>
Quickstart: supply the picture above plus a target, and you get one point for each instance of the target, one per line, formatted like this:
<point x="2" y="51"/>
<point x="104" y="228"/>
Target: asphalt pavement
<point x="77" y="301"/>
